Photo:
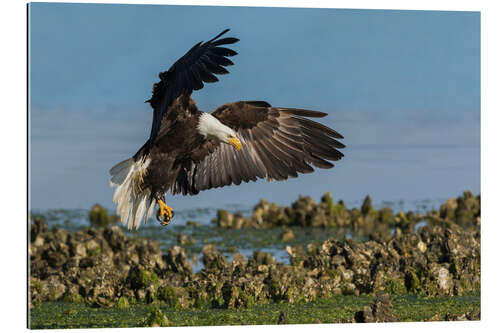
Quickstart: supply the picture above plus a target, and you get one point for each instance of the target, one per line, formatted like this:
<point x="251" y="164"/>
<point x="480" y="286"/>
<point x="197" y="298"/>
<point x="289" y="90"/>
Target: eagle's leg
<point x="164" y="214"/>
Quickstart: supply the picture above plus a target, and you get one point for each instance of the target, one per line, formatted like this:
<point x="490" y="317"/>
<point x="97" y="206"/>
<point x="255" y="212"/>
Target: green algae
<point x="155" y="318"/>
<point x="122" y="303"/>
<point x="412" y="282"/>
<point x="337" y="309"/>
<point x="394" y="287"/>
<point x="173" y="297"/>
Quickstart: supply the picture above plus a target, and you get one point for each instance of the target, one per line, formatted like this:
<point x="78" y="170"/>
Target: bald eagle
<point x="189" y="151"/>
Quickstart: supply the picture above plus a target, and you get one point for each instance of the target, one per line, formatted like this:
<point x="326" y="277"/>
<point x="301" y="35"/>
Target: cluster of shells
<point x="105" y="267"/>
<point x="304" y="212"/>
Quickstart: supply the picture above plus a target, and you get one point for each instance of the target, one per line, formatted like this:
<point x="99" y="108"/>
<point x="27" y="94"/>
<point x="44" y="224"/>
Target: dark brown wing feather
<point x="278" y="143"/>
<point x="188" y="73"/>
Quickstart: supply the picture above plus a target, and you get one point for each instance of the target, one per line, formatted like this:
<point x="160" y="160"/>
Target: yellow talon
<point x="164" y="214"/>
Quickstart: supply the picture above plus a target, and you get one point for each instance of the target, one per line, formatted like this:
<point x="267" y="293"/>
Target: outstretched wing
<point x="278" y="143"/>
<point x="188" y="73"/>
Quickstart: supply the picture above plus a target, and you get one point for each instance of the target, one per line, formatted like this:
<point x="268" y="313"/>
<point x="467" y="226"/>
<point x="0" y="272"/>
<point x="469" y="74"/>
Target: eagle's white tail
<point x="135" y="204"/>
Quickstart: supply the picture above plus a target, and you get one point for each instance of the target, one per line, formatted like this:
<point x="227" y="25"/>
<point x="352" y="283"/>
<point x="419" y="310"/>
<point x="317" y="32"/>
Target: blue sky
<point x="402" y="86"/>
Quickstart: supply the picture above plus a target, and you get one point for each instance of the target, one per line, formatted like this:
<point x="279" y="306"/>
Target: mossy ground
<point x="338" y="309"/>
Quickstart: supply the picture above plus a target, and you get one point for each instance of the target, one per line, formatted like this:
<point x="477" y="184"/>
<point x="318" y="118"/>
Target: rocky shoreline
<point x="304" y="212"/>
<point x="104" y="267"/>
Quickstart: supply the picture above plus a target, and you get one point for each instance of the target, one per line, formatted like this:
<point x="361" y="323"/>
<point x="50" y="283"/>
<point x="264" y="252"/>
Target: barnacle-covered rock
<point x="380" y="311"/>
<point x="105" y="267"/>
<point x="99" y="217"/>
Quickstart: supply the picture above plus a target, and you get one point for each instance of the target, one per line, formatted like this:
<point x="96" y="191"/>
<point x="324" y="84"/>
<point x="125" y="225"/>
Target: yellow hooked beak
<point x="235" y="142"/>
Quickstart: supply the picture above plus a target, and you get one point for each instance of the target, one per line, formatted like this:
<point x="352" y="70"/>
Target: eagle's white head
<point x="211" y="128"/>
